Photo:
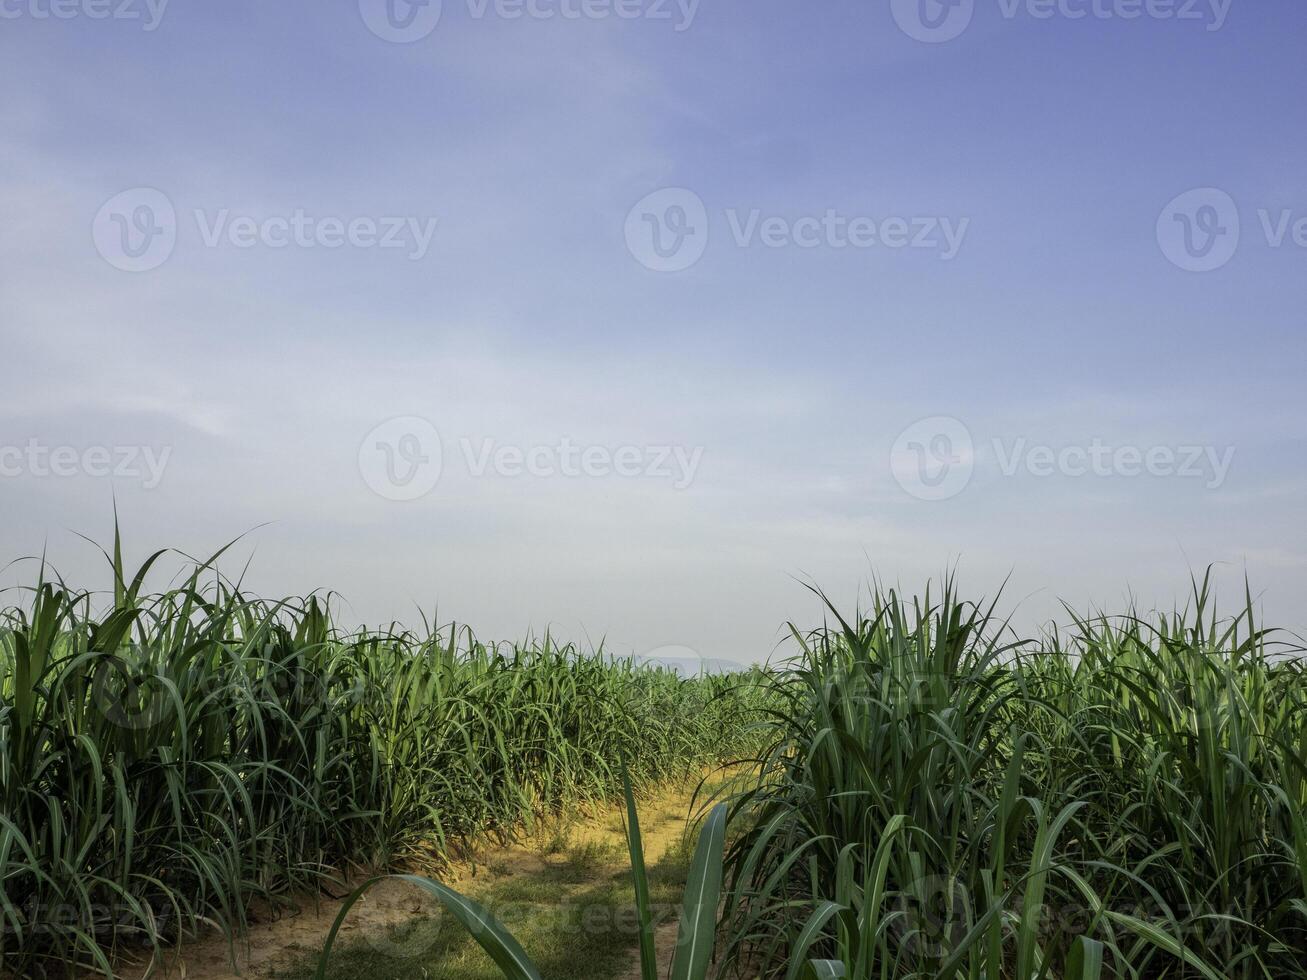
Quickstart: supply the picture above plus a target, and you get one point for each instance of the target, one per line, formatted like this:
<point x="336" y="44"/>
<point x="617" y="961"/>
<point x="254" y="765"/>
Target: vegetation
<point x="929" y="796"/>
<point x="941" y="800"/>
<point x="167" y="759"/>
<point x="564" y="893"/>
<point x="696" y="931"/>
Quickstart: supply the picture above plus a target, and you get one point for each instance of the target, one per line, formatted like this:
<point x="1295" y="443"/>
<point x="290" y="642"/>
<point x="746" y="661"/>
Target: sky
<point x="627" y="318"/>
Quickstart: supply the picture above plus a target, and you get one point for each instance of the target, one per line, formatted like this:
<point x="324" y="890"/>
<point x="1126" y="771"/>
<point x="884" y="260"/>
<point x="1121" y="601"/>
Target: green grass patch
<point x="575" y="917"/>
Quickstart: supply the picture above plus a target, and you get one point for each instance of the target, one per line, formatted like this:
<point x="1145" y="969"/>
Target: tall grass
<point x="941" y="800"/>
<point x="933" y="798"/>
<point x="171" y="759"/>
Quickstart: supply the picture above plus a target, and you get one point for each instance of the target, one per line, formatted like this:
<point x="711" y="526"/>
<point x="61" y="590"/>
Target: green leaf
<point x="822" y="914"/>
<point x="1085" y="961"/>
<point x="1163" y="940"/>
<point x="824" y="970"/>
<point x="698" y="930"/>
<point x="644" y="909"/>
<point x="489" y="934"/>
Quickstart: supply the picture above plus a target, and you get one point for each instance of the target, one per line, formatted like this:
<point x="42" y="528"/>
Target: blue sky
<point x="808" y="378"/>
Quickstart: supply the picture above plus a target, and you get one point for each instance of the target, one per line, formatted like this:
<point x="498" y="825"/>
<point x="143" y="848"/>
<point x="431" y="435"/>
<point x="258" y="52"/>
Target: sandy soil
<point x="274" y="942"/>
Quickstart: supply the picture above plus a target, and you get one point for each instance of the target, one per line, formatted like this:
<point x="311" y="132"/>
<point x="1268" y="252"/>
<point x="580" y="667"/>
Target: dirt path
<point x="564" y="892"/>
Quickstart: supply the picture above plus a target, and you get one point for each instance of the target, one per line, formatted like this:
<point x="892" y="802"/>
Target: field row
<point x="171" y="758"/>
<point x="926" y="795"/>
